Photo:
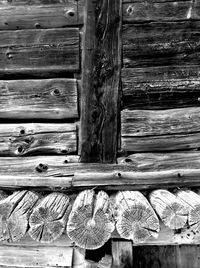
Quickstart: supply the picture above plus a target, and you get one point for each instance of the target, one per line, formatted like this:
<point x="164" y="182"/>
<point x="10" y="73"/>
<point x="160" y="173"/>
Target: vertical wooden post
<point x="100" y="81"/>
<point x="122" y="253"/>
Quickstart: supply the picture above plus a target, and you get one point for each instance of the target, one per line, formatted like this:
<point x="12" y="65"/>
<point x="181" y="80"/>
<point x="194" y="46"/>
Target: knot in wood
<point x="41" y="168"/>
<point x="70" y="13"/>
<point x="130" y="10"/>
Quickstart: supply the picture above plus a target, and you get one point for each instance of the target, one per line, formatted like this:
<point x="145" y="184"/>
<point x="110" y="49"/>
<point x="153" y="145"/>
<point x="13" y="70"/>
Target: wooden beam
<point x="161" y="87"/>
<point x="100" y="83"/>
<point x="163" y="130"/>
<point x="122" y="253"/>
<point x="50" y="51"/>
<point x="161" y="44"/>
<point x="20" y="15"/>
<point x="140" y="11"/>
<point x="35" y="138"/>
<point x="39" y="99"/>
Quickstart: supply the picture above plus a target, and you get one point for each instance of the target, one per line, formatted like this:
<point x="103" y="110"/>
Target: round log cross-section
<point x="48" y="219"/>
<point x="90" y="222"/>
<point x="14" y="213"/>
<point x="136" y="219"/>
<point x="170" y="209"/>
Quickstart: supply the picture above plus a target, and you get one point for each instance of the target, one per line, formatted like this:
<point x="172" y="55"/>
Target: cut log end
<point x="170" y="209"/>
<point x="90" y="222"/>
<point x="136" y="220"/>
<point x="48" y="220"/>
<point x="14" y="214"/>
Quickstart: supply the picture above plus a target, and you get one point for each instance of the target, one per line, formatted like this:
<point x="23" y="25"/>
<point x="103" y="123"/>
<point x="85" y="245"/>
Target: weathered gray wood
<point x="100" y="81"/>
<point x="41" y="99"/>
<point x="49" y="218"/>
<point x="14" y="214"/>
<point x="192" y="202"/>
<point x="90" y="222"/>
<point x="32" y="257"/>
<point x="122" y="253"/>
<point x="161" y="44"/>
<point x="166" y="130"/>
<point x="161" y="87"/>
<point x="161" y="161"/>
<point x="170" y="209"/>
<point x="135" y="218"/>
<point x="140" y="11"/>
<point x="15" y="17"/>
<point x="35" y="138"/>
<point x="39" y="51"/>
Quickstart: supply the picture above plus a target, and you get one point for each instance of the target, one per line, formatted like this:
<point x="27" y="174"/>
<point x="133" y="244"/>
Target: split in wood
<point x="49" y="217"/>
<point x="90" y="222"/>
<point x="136" y="219"/>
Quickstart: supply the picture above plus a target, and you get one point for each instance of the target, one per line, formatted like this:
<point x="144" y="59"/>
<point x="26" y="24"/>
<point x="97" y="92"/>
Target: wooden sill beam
<point x="56" y="172"/>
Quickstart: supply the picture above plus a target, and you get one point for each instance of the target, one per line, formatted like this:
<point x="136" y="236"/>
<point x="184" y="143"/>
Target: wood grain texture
<point x="122" y="253"/>
<point x="135" y="218"/>
<point x="171" y="210"/>
<point x="39" y="99"/>
<point x="29" y="257"/>
<point x="165" y="130"/>
<point x="58" y="173"/>
<point x="91" y="222"/>
<point x="182" y="256"/>
<point x="30" y="139"/>
<point x="161" y="44"/>
<point x="140" y="11"/>
<point x="161" y="87"/>
<point x="39" y="51"/>
<point x="161" y="161"/>
<point x="15" y="211"/>
<point x="100" y="83"/>
<point x="49" y="218"/>
<point x="15" y="16"/>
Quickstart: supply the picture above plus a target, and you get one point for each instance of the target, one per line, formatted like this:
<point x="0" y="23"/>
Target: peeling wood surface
<point x="145" y="11"/>
<point x="165" y="130"/>
<point x="161" y="87"/>
<point x="39" y="51"/>
<point x="41" y="99"/>
<point x="161" y="44"/>
<point x="100" y="83"/>
<point x="33" y="138"/>
<point x="16" y="15"/>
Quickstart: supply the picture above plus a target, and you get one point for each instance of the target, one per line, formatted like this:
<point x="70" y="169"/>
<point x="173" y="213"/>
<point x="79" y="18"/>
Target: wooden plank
<point x="165" y="130"/>
<point x="140" y="11"/>
<point x="38" y="99"/>
<point x="24" y="16"/>
<point x="30" y="139"/>
<point x="39" y="51"/>
<point x="161" y="44"/>
<point x="100" y="83"/>
<point x="35" y="257"/>
<point x="161" y="87"/>
<point x="122" y="253"/>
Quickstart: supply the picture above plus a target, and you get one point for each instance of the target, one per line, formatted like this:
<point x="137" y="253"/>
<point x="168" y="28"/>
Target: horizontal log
<point x="161" y="161"/>
<point x="39" y="99"/>
<point x="57" y="173"/>
<point x="11" y="256"/>
<point x="30" y="139"/>
<point x="39" y="51"/>
<point x="165" y="130"/>
<point x="140" y="11"/>
<point x="161" y="87"/>
<point x="15" y="16"/>
<point x="161" y="44"/>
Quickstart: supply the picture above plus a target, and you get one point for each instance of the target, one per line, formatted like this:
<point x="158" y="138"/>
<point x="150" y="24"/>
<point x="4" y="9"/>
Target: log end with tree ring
<point x="90" y="222"/>
<point x="48" y="219"/>
<point x="136" y="220"/>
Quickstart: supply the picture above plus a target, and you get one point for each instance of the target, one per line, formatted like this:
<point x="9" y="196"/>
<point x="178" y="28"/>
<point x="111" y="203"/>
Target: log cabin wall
<point x="113" y="85"/>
